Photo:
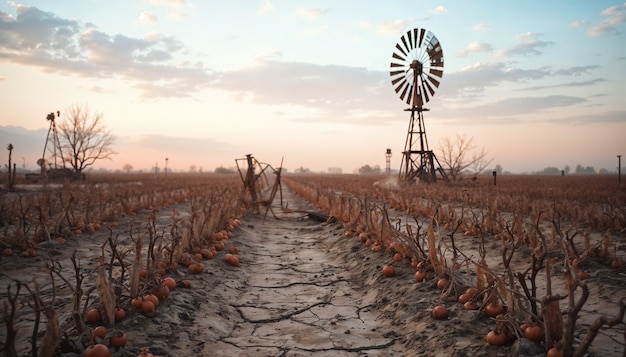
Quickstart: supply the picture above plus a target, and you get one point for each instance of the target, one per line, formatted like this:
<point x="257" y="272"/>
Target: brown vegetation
<point x="558" y="225"/>
<point x="521" y="252"/>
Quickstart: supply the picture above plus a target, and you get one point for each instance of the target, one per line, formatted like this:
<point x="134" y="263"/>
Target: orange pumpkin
<point x="389" y="271"/>
<point x="440" y="312"/>
<point x="496" y="339"/>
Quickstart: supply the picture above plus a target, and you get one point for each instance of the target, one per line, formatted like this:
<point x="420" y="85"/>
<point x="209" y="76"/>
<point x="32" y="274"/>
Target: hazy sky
<point x="536" y="83"/>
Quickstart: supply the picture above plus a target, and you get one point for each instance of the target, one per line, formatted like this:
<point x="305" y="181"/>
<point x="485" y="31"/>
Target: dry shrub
<point x="433" y="255"/>
<point x="106" y="295"/>
<point x="52" y="337"/>
<point x="135" y="268"/>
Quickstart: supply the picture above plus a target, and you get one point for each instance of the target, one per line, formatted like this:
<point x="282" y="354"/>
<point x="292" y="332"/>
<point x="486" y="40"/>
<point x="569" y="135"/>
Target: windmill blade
<point x="404" y="84"/>
<point x="398" y="79"/>
<point x="395" y="73"/>
<point x="415" y="44"/>
<point x="430" y="89"/>
<point x="397" y="65"/>
<point x="404" y="92"/>
<point x="427" y="99"/>
<point x="398" y="57"/>
<point x="408" y="33"/>
<point x="422" y="31"/>
<point x="405" y="45"/>
<point x="403" y="79"/>
<point x="436" y="72"/>
<point x="432" y="80"/>
<point x="400" y="49"/>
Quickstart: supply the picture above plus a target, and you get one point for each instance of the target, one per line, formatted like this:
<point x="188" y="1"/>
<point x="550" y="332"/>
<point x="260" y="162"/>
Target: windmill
<point x="416" y="71"/>
<point x="56" y="144"/>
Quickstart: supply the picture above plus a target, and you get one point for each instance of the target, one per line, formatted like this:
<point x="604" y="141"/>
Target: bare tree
<point x="127" y="167"/>
<point x="454" y="156"/>
<point x="479" y="161"/>
<point x="84" y="138"/>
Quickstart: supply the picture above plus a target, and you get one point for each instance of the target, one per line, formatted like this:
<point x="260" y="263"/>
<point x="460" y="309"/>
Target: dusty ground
<point x="302" y="289"/>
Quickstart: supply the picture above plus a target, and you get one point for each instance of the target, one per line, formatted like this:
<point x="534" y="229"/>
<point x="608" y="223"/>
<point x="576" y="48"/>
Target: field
<point x="342" y="265"/>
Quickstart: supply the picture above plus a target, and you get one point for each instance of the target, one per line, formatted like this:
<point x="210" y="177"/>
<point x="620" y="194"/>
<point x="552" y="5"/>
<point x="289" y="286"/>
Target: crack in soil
<point x="318" y="284"/>
<point x="351" y="349"/>
<point x="275" y="319"/>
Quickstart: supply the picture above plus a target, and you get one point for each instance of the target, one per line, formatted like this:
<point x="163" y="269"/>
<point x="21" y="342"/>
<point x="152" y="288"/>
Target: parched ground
<point x="302" y="289"/>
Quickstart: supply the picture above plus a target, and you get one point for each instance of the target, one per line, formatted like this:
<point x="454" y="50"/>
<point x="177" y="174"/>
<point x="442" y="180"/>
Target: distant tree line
<point x="368" y="170"/>
<point x="579" y="170"/>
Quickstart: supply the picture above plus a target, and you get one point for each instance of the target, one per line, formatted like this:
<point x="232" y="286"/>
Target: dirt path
<point x="289" y="297"/>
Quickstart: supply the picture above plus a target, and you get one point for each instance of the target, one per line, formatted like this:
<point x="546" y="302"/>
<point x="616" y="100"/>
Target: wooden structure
<point x="262" y="191"/>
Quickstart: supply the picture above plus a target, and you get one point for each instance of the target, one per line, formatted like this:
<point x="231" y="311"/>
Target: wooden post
<point x="495" y="173"/>
<point x="619" y="169"/>
<point x="250" y="181"/>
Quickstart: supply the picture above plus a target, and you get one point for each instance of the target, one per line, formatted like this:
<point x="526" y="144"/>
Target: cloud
<point x="522" y="110"/>
<point x="575" y="70"/>
<point x="470" y="83"/>
<point x="179" y="16"/>
<point x="360" y="96"/>
<point x="439" y="10"/>
<point x="98" y="89"/>
<point x="614" y="16"/>
<point x="266" y="7"/>
<point x="474" y="47"/>
<point x="566" y="85"/>
<point x="310" y="13"/>
<point x="578" y="24"/>
<point x="481" y="27"/>
<point x="336" y="92"/>
<point x="395" y="27"/>
<point x="481" y="75"/>
<point x="157" y="66"/>
<point x="174" y="146"/>
<point x="526" y="105"/>
<point x="44" y="40"/>
<point x="171" y="3"/>
<point x="267" y="55"/>
<point x="528" y="44"/>
<point x="314" y="82"/>
<point x="610" y="117"/>
<point x="36" y="31"/>
<point x="146" y="17"/>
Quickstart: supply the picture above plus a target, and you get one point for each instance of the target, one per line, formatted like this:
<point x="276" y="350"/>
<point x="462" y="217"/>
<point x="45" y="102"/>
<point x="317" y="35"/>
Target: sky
<point x="534" y="83"/>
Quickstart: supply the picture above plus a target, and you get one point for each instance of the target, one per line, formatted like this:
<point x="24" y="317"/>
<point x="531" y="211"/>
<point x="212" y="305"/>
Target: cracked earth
<point x="302" y="289"/>
<point x="291" y="296"/>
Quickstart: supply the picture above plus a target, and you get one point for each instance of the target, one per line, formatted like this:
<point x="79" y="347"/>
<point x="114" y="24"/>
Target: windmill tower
<point x="56" y="144"/>
<point x="416" y="69"/>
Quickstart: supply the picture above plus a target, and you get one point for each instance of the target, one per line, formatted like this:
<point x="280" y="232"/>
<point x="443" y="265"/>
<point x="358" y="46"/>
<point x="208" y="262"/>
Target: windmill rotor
<point x="416" y="72"/>
<point x="416" y="67"/>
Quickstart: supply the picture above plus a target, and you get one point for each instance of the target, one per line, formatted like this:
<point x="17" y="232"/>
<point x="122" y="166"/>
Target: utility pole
<point x="166" y="160"/>
<point x="619" y="169"/>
